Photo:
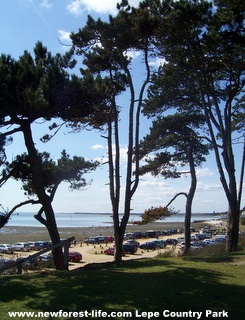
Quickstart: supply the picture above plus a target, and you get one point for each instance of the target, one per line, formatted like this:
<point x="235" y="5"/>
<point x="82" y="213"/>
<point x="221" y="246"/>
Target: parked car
<point x="5" y="263"/>
<point x="209" y="241"/>
<point x="160" y="243"/>
<point x="138" y="235"/>
<point x="193" y="246"/>
<point x="133" y="242"/>
<point x="220" y="238"/>
<point x="152" y="234"/>
<point x="75" y="256"/>
<point x="6" y="248"/>
<point x="110" y="238"/>
<point x="41" y="245"/>
<point x="32" y="245"/>
<point x="129" y="236"/>
<point x="148" y="246"/>
<point x="101" y="239"/>
<point x="171" y="241"/>
<point x="91" y="240"/>
<point x="111" y="251"/>
<point x="22" y="246"/>
<point x="129" y="248"/>
<point x="207" y="235"/>
<point x="47" y="260"/>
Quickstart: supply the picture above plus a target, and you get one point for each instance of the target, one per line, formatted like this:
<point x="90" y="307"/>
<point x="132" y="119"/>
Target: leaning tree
<point x="40" y="87"/>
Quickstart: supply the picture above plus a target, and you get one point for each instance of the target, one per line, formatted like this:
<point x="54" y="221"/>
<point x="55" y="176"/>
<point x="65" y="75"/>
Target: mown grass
<point x="197" y="283"/>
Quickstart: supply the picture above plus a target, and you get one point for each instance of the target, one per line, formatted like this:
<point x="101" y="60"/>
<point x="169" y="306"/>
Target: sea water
<point x="27" y="219"/>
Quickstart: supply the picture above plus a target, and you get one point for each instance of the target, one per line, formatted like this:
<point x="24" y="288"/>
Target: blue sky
<point x="22" y="24"/>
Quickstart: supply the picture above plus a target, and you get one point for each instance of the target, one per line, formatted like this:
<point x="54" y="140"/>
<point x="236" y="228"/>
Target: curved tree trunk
<point x="45" y="200"/>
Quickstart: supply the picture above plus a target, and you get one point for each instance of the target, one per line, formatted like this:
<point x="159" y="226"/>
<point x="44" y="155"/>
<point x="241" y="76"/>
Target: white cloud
<point x="157" y="62"/>
<point x="208" y="187"/>
<point x="132" y="54"/>
<point x="154" y="183"/>
<point x="204" y="172"/>
<point x="46" y="4"/>
<point x="77" y="7"/>
<point x="97" y="146"/>
<point x="64" y="36"/>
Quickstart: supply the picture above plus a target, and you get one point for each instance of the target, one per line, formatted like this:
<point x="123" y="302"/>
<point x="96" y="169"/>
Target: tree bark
<point x="232" y="229"/>
<point x="189" y="200"/>
<point x="39" y="185"/>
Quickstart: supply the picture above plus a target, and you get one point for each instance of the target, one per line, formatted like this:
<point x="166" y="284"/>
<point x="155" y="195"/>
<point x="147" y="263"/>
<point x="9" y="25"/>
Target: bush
<point x="168" y="253"/>
<point x="212" y="250"/>
<point x="241" y="243"/>
<point x="243" y="221"/>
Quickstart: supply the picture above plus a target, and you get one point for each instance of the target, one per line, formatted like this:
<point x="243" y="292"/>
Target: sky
<point x="22" y="24"/>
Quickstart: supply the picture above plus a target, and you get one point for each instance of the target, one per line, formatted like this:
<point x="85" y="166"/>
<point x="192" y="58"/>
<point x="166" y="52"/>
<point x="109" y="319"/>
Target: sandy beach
<point x="24" y="234"/>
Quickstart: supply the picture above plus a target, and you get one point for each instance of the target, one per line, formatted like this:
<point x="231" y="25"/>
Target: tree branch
<point x="178" y="194"/>
<point x="4" y="218"/>
<point x="40" y="218"/>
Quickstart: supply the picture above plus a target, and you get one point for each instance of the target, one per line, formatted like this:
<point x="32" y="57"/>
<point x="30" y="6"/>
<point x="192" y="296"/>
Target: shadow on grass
<point x="145" y="285"/>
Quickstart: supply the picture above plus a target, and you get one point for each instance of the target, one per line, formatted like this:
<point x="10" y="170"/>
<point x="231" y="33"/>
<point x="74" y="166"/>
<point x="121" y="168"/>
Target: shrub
<point x="212" y="250"/>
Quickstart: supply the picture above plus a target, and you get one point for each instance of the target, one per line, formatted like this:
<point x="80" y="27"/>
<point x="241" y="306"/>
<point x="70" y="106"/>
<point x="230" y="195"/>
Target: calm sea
<point x="94" y="219"/>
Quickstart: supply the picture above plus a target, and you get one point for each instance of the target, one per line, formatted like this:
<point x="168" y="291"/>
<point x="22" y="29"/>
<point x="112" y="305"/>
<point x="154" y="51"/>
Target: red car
<point x="75" y="256"/>
<point x="110" y="238"/>
<point x="110" y="251"/>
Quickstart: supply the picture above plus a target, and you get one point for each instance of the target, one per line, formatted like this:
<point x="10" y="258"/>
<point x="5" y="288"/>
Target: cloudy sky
<point x="22" y="24"/>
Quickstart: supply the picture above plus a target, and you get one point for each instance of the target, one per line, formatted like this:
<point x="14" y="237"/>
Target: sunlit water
<point x="94" y="219"/>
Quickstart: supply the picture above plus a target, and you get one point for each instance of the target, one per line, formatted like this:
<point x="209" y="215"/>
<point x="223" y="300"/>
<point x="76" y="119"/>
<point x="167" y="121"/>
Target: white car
<point x="209" y="241"/>
<point x="192" y="246"/>
<point x="32" y="245"/>
<point x="6" y="248"/>
<point x="22" y="246"/>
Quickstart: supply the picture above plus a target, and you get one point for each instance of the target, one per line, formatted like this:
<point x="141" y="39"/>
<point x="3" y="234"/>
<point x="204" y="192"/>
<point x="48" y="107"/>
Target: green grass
<point x="196" y="283"/>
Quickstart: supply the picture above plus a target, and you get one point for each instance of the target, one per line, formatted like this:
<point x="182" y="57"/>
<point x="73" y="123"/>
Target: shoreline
<point x="11" y="234"/>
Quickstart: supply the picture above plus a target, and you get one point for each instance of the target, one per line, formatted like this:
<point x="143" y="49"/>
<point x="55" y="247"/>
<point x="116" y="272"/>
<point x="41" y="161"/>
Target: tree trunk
<point x="227" y="175"/>
<point x="189" y="201"/>
<point x="39" y="185"/>
<point x="118" y="234"/>
<point x="232" y="229"/>
<point x="187" y="226"/>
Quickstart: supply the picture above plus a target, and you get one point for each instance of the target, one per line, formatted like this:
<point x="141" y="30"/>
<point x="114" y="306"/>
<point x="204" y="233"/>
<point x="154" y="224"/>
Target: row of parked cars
<point x="42" y="261"/>
<point x="99" y="240"/>
<point x="131" y="246"/>
<point x="153" y="233"/>
<point x="37" y="246"/>
<point x="25" y="246"/>
<point x="198" y="243"/>
<point x="45" y="260"/>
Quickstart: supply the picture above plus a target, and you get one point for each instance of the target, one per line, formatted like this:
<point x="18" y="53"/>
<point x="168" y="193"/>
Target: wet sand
<point x="24" y="234"/>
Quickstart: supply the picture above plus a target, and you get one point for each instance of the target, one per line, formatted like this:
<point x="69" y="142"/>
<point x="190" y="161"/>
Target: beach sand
<point x="24" y="234"/>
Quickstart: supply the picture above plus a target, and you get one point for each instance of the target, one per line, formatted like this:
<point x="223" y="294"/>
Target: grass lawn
<point x="181" y="284"/>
